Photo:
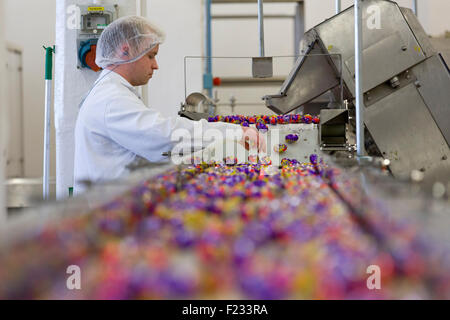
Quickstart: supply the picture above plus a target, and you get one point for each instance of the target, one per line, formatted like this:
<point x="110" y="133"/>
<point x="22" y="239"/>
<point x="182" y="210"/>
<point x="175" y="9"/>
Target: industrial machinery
<point x="405" y="83"/>
<point x="196" y="106"/>
<point x="93" y="20"/>
<point x="406" y="86"/>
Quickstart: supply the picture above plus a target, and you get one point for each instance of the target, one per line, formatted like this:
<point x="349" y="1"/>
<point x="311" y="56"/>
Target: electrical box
<point x="93" y="20"/>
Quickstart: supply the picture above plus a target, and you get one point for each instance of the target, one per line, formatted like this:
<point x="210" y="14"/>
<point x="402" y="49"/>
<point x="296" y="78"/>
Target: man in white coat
<point x="114" y="126"/>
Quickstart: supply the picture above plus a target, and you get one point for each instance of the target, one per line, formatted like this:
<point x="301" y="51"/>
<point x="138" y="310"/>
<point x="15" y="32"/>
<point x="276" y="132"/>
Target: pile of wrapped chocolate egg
<point x="217" y="231"/>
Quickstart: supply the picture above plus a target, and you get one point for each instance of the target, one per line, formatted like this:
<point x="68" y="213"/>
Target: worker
<point x="114" y="127"/>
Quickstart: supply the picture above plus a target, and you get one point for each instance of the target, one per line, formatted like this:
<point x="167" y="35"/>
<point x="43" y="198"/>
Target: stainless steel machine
<point x="406" y="85"/>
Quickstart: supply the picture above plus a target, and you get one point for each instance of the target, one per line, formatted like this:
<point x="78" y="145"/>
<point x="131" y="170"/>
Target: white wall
<point x="2" y="123"/>
<point x="238" y="37"/>
<point x="434" y="14"/>
<point x="182" y="22"/>
<point x="30" y="24"/>
<point x="235" y="37"/>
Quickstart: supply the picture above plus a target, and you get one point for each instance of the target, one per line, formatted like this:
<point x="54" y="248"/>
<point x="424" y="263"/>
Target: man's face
<point x="144" y="68"/>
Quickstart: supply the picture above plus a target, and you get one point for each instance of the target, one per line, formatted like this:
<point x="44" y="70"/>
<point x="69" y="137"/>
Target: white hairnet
<point x="127" y="40"/>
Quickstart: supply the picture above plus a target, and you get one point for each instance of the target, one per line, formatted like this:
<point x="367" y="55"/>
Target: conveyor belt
<point x="243" y="231"/>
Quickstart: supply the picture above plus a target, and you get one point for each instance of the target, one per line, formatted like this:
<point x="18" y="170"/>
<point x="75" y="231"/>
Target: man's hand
<point x="252" y="139"/>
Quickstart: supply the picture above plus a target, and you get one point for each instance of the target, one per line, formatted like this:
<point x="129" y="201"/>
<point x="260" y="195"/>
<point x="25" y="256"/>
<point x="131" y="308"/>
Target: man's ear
<point x="125" y="51"/>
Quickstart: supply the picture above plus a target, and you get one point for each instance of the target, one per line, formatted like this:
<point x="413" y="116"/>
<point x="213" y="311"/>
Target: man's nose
<point x="155" y="66"/>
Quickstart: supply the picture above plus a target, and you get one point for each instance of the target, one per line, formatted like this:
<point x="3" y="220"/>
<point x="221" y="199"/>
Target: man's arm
<point x="147" y="133"/>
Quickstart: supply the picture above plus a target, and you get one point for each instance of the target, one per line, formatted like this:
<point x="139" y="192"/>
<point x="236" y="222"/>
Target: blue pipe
<point x="414" y="4"/>
<point x="207" y="77"/>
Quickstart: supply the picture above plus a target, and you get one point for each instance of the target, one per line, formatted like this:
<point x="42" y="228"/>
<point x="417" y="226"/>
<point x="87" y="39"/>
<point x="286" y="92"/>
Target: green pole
<point x="48" y="101"/>
<point x="49" y="63"/>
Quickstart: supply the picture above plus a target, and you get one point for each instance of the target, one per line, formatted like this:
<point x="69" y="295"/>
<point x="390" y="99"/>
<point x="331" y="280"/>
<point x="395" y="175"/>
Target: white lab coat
<point x="114" y="127"/>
